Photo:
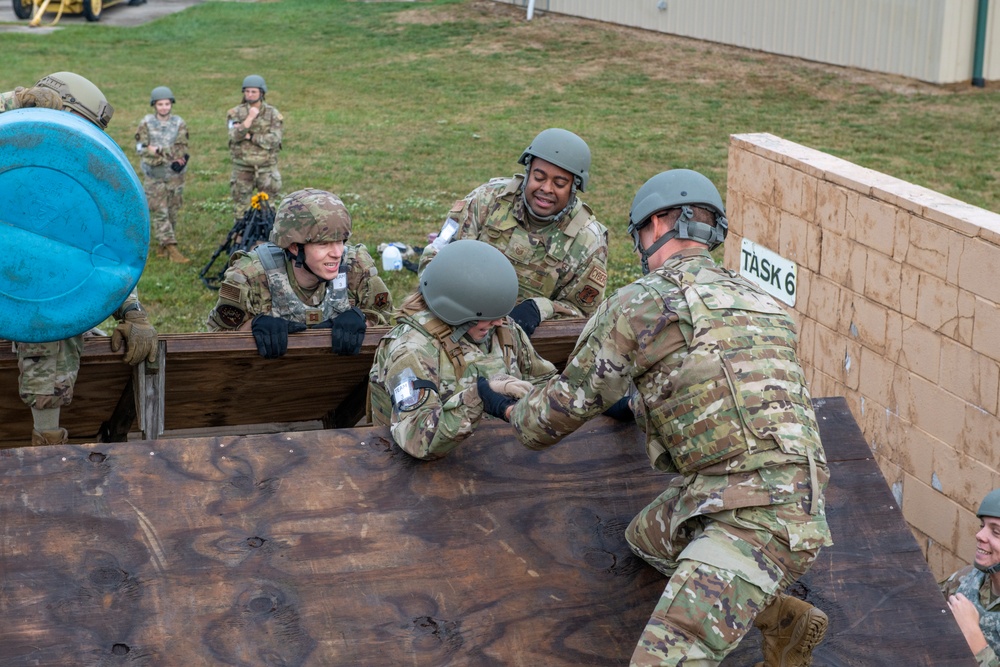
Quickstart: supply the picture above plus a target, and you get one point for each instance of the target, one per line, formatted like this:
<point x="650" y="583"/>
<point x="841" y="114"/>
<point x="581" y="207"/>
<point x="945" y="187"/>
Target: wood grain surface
<point x="336" y="548"/>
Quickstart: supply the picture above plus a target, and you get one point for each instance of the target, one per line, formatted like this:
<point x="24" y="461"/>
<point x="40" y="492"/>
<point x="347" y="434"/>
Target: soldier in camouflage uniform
<point x="423" y="382"/>
<point x="709" y="361"/>
<point x="48" y="371"/>
<point x="162" y="143"/>
<point x="973" y="593"/>
<point x="255" y="129"/>
<point x="558" y="248"/>
<point x="306" y="277"/>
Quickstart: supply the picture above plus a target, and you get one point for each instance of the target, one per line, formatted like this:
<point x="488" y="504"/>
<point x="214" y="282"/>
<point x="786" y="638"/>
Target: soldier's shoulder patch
<point x="229" y="291"/>
<point x="230" y="315"/>
<point x="587" y="295"/>
<point x="598" y="276"/>
<point x="458" y="206"/>
<point x="381" y="300"/>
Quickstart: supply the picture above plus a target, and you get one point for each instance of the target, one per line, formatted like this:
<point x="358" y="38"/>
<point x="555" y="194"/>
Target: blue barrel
<point x="74" y="225"/>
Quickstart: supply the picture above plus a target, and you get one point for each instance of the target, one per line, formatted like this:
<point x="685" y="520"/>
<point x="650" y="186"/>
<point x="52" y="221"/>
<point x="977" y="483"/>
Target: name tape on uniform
<point x="772" y="272"/>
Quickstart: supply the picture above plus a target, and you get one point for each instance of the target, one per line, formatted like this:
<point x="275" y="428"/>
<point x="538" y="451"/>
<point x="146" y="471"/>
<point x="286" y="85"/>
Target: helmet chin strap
<point x="300" y="260"/>
<point x="548" y="218"/>
<point x="684" y="228"/>
<point x="992" y="569"/>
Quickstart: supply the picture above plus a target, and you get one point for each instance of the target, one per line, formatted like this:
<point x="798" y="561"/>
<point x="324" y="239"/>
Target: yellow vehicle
<point x="36" y="9"/>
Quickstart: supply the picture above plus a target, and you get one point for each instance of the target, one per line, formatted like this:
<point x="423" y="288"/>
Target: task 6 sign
<point x="773" y="273"/>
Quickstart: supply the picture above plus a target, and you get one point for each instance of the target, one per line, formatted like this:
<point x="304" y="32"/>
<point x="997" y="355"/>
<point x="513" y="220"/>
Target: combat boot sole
<point x="806" y="635"/>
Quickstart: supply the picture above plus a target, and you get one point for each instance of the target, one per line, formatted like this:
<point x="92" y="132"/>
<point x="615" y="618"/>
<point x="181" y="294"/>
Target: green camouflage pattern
<point x="164" y="187"/>
<point x="975" y="585"/>
<point x="48" y="371"/>
<point x="709" y="362"/>
<point x="440" y="420"/>
<point x="255" y="160"/>
<point x="562" y="266"/>
<point x="311" y="216"/>
<point x="264" y="144"/>
<point x="7" y="101"/>
<point x="249" y="289"/>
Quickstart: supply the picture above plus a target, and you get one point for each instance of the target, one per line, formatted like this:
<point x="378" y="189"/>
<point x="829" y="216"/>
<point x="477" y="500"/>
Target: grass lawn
<point x="403" y="107"/>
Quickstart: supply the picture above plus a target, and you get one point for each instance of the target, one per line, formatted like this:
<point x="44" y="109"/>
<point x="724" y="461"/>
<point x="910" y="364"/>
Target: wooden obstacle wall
<point x="323" y="548"/>
<point x="216" y="380"/>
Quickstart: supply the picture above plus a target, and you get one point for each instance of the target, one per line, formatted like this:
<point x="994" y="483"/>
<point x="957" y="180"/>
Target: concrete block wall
<point x="898" y="306"/>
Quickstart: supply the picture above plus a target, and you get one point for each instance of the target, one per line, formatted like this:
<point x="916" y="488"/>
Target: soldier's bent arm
<point x="267" y="131"/>
<point x="468" y="213"/>
<point x="432" y="425"/>
<point x="607" y="357"/>
<point x="241" y="297"/>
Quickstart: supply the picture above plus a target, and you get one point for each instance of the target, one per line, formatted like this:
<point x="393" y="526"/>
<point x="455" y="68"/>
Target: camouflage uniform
<point x="7" y="101"/>
<point x="261" y="282"/>
<point x="48" y="370"/>
<point x="448" y="407"/>
<point x="164" y="187"/>
<point x="562" y="265"/>
<point x="975" y="586"/>
<point x="255" y="160"/>
<point x="710" y="363"/>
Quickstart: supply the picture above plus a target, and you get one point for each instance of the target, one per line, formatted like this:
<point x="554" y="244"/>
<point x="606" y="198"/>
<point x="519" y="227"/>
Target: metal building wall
<point x="930" y="40"/>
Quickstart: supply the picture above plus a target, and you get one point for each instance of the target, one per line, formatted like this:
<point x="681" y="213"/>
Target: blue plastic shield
<point x="74" y="225"/>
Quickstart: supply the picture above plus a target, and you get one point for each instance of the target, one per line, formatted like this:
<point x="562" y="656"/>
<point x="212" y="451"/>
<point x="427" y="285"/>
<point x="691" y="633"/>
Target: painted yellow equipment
<point x="36" y="9"/>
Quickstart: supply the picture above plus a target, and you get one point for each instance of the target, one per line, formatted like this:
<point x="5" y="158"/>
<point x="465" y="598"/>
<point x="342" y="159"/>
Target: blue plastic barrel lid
<point x="74" y="225"/>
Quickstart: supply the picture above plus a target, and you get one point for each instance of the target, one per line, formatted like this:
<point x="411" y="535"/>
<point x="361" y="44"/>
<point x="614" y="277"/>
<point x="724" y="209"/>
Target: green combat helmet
<point x="990" y="507"/>
<point x="80" y="95"/>
<point x="310" y="216"/>
<point x="469" y="281"/>
<point x="677" y="188"/>
<point x="255" y="81"/>
<point x="161" y="93"/>
<point x="563" y="149"/>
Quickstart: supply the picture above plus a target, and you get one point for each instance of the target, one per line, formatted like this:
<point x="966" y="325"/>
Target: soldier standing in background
<point x="48" y="371"/>
<point x="255" y="129"/>
<point x="558" y="248"/>
<point x="162" y="143"/>
<point x="453" y="330"/>
<point x="710" y="363"/>
<point x="306" y="277"/>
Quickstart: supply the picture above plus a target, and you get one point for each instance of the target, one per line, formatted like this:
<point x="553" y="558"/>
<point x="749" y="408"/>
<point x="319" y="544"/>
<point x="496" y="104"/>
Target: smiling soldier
<point x="556" y="245"/>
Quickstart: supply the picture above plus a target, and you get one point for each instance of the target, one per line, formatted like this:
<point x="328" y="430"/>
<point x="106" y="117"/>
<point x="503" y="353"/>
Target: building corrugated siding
<point x="930" y="40"/>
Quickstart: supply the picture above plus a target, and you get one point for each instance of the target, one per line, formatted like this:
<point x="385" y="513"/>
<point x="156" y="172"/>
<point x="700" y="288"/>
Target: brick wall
<point x="898" y="305"/>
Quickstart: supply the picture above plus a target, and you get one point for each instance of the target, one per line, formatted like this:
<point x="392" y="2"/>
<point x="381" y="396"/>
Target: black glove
<point x="411" y="266"/>
<point x="494" y="403"/>
<point x="527" y="316"/>
<point x="271" y="335"/>
<point x="620" y="410"/>
<point x="347" y="332"/>
<point x="178" y="166"/>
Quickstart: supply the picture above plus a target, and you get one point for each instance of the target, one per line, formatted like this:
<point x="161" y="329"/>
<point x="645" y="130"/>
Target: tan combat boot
<point x="792" y="628"/>
<point x="60" y="436"/>
<point x="175" y="255"/>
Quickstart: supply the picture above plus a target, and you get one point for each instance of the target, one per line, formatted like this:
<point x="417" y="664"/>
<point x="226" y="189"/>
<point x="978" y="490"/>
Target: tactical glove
<point x="494" y="403"/>
<point x="509" y="385"/>
<point x="527" y="316"/>
<point x="138" y="336"/>
<point x="620" y="410"/>
<point x="271" y="335"/>
<point x="348" y="332"/>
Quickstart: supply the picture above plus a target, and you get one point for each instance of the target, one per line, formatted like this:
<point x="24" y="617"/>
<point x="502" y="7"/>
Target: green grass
<point x="402" y="108"/>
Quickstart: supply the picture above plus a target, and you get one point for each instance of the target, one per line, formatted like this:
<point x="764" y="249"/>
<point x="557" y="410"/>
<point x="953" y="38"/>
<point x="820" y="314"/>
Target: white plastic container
<point x="391" y="259"/>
